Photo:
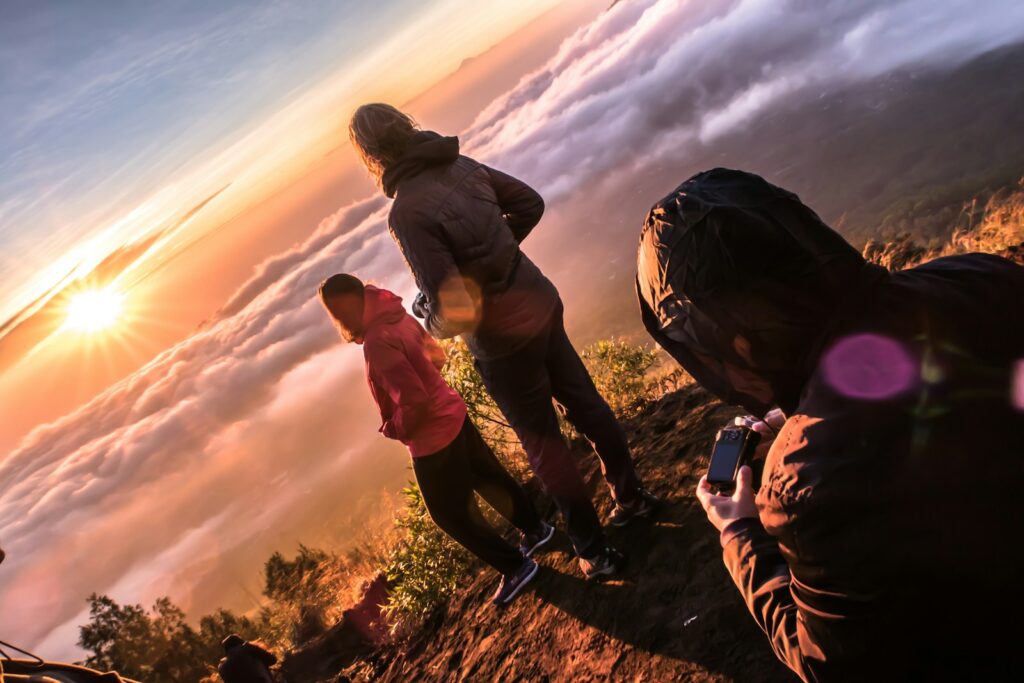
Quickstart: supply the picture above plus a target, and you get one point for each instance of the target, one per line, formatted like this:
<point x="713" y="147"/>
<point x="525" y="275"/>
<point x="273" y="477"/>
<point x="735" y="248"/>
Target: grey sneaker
<point x="608" y="561"/>
<point x="512" y="583"/>
<point x="645" y="505"/>
<point x="531" y="543"/>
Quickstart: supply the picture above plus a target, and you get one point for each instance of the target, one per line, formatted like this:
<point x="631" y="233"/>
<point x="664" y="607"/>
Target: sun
<point x="93" y="310"/>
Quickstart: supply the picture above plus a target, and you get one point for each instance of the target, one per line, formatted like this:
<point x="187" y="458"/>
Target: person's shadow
<point x="674" y="597"/>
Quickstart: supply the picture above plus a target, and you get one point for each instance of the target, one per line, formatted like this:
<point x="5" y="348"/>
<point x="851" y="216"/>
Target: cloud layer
<point x="652" y="78"/>
<point x="250" y="425"/>
<point x="257" y="432"/>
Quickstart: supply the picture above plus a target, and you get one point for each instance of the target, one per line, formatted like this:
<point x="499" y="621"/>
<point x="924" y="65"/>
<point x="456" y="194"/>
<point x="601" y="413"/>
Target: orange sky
<point x="225" y="242"/>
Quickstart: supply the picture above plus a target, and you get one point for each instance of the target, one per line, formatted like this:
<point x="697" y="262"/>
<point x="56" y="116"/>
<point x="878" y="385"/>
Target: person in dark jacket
<point x="459" y="225"/>
<point x="245" y="662"/>
<point x="883" y="541"/>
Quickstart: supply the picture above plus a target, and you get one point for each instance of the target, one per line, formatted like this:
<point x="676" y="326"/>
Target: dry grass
<point x="992" y="227"/>
<point x="995" y="225"/>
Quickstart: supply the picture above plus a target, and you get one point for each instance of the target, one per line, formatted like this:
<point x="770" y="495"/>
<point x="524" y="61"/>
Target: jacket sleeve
<point x="520" y="203"/>
<point x="446" y="307"/>
<point x="262" y="654"/>
<point x="393" y="374"/>
<point x="760" y="572"/>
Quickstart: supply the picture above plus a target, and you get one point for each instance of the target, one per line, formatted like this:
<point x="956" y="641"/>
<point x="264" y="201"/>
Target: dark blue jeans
<point x="523" y="385"/>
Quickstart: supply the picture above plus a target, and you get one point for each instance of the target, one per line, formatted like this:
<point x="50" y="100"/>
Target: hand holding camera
<point x="723" y="509"/>
<point x="726" y="492"/>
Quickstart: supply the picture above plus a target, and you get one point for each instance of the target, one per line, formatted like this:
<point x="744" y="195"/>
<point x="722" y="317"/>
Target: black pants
<point x="523" y="385"/>
<point x="448" y="480"/>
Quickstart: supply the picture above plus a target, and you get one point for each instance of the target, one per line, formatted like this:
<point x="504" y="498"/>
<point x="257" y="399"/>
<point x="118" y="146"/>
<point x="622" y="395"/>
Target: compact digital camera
<point x="734" y="447"/>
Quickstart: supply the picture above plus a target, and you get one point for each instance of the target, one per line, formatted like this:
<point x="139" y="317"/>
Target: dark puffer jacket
<point x="887" y="546"/>
<point x="247" y="663"/>
<point x="458" y="224"/>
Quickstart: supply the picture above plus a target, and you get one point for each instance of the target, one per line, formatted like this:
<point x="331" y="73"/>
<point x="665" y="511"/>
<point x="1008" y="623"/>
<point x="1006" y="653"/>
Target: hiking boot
<point x="512" y="583"/>
<point x="645" y="505"/>
<point x="531" y="543"/>
<point x="607" y="562"/>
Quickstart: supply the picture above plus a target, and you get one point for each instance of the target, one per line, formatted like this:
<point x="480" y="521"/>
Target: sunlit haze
<point x="94" y="309"/>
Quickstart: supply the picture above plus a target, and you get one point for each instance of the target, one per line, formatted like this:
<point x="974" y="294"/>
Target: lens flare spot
<point x="869" y="367"/>
<point x="1018" y="385"/>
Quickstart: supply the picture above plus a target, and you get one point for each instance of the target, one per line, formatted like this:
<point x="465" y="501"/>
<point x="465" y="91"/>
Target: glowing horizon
<point x="282" y="143"/>
<point x="94" y="310"/>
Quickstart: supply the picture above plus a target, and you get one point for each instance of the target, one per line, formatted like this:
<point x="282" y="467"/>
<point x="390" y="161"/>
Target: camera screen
<point x="724" y="457"/>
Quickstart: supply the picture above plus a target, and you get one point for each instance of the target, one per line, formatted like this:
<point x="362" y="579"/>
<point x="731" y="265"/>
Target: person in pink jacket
<point x="451" y="460"/>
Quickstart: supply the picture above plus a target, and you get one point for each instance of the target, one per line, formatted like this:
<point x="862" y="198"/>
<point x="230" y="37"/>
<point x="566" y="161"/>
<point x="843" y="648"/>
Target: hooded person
<point x="451" y="460"/>
<point x="459" y="225"/>
<point x="882" y="542"/>
<point x="245" y="662"/>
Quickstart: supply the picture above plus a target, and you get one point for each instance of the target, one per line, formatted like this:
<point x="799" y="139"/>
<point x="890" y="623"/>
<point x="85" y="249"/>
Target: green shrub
<point x="620" y="372"/>
<point x="461" y="374"/>
<point x="424" y="568"/>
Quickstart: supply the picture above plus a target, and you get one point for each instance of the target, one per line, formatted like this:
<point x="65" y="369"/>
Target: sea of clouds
<point x="256" y="432"/>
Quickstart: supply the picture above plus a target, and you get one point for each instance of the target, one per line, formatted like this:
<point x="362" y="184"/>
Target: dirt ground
<point x="674" y="614"/>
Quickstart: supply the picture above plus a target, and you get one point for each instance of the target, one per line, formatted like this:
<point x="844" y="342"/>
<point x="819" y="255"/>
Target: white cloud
<point x="651" y="72"/>
<point x="170" y="450"/>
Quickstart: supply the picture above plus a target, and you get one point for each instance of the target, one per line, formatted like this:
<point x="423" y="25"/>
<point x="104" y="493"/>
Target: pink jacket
<point x="403" y="369"/>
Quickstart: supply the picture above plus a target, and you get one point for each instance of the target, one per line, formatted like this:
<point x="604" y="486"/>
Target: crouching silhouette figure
<point x="245" y="662"/>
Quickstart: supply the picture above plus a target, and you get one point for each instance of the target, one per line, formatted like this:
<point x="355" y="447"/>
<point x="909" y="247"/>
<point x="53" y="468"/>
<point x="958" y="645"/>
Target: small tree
<point x="156" y="645"/>
<point x="620" y="372"/>
<point x="461" y="374"/>
<point x="303" y="594"/>
<point x="424" y="568"/>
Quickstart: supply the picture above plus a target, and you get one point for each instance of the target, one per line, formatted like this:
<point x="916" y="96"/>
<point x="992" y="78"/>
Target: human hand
<point x="723" y="510"/>
<point x="768" y="428"/>
<point x="419" y="305"/>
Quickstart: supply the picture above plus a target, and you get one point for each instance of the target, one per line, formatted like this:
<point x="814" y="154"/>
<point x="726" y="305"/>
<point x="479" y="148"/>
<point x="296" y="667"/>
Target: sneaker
<point x="608" y="561"/>
<point x="645" y="505"/>
<point x="512" y="583"/>
<point x="531" y="543"/>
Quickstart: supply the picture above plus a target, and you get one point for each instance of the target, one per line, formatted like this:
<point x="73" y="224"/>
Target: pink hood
<point x="403" y="369"/>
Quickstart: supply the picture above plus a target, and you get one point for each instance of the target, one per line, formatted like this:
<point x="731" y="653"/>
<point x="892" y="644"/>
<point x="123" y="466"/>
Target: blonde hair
<point x="380" y="134"/>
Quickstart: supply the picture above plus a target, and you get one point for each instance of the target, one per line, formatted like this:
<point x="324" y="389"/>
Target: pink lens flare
<point x="869" y="367"/>
<point x="1018" y="385"/>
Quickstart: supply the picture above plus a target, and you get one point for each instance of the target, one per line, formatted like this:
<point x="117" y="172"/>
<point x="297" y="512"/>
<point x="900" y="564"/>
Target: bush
<point x="424" y="568"/>
<point x="301" y="594"/>
<point x="157" y="644"/>
<point x="620" y="372"/>
<point x="461" y="374"/>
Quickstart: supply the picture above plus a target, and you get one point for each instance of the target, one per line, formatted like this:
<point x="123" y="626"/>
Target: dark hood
<point x="426" y="149"/>
<point x="381" y="307"/>
<point x="728" y="254"/>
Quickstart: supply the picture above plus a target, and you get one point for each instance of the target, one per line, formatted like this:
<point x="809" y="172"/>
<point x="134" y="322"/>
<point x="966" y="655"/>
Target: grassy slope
<point x="673" y="615"/>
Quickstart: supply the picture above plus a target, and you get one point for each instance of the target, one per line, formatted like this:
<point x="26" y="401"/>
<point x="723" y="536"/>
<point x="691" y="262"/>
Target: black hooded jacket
<point x="247" y="663"/>
<point x="888" y="541"/>
<point x="459" y="224"/>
